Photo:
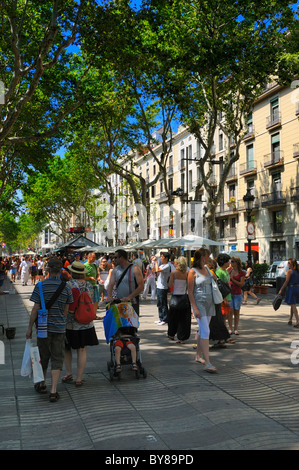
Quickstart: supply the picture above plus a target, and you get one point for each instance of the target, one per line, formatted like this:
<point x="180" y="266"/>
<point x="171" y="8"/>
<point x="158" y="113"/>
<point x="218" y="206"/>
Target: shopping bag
<point x="26" y="368"/>
<point x="38" y="375"/>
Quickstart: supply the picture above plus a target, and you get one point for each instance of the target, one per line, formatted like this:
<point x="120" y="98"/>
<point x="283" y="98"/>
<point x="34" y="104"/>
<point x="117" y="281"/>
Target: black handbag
<point x="223" y="287"/>
<point x="179" y="301"/>
<point x="277" y="302"/>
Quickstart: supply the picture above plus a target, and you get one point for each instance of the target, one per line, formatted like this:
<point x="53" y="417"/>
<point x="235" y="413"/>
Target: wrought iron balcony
<point x="275" y="158"/>
<point x="248" y="168"/>
<point x="273" y="199"/>
<point x="250" y="132"/>
<point x="273" y="120"/>
<point x="296" y="150"/>
<point x="277" y="228"/>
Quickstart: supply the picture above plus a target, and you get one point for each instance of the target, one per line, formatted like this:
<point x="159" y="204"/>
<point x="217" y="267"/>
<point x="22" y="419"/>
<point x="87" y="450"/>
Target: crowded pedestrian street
<point x="251" y="403"/>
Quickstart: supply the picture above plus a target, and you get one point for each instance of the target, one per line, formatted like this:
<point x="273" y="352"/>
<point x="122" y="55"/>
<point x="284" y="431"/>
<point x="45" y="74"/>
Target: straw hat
<point x="77" y="267"/>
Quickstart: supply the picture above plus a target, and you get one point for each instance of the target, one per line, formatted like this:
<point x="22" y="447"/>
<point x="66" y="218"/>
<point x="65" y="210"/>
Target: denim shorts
<point x="236" y="301"/>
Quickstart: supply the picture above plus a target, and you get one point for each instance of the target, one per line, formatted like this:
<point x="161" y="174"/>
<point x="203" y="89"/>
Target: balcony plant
<point x="232" y="202"/>
<point x="259" y="271"/>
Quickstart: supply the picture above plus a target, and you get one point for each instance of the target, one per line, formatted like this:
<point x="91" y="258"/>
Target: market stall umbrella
<point x="161" y="243"/>
<point x="96" y="249"/>
<point x="191" y="242"/>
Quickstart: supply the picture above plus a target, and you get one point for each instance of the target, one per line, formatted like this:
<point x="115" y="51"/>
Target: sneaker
<point x="162" y="323"/>
<point x="157" y="322"/>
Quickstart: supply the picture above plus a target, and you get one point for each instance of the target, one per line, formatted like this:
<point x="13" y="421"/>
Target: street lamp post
<point x="248" y="201"/>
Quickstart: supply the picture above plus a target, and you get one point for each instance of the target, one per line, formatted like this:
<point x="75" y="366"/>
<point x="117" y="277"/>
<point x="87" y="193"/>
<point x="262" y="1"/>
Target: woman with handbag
<point x="179" y="312"/>
<point x="201" y="299"/>
<point x="248" y="284"/>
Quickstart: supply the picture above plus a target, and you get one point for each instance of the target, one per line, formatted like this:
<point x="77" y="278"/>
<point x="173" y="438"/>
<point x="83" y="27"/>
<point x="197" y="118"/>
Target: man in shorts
<point x="51" y="348"/>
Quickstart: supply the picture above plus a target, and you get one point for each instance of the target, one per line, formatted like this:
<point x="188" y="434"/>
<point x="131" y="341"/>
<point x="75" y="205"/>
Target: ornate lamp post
<point x="248" y="201"/>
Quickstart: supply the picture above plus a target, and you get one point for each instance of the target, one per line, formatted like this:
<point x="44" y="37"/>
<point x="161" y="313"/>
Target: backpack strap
<point x="41" y="295"/>
<point x="123" y="275"/>
<point x="54" y="296"/>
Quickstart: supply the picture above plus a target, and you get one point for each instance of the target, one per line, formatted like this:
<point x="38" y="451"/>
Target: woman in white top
<point x="179" y="313"/>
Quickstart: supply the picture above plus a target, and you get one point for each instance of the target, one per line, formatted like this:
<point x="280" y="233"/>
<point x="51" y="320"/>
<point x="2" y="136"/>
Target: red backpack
<point x="84" y="311"/>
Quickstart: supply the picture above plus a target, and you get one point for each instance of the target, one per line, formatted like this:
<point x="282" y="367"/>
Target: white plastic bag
<point x="38" y="375"/>
<point x="26" y="369"/>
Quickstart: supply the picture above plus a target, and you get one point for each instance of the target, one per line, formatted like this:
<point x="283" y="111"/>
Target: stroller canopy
<point x="119" y="316"/>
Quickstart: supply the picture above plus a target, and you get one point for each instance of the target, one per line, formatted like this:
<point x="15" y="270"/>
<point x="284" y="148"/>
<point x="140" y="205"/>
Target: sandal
<point x="210" y="368"/>
<point x="118" y="368"/>
<point x="40" y="388"/>
<point x="134" y="366"/>
<point x="200" y="360"/>
<point x="67" y="379"/>
<point x="78" y="383"/>
<point x="53" y="397"/>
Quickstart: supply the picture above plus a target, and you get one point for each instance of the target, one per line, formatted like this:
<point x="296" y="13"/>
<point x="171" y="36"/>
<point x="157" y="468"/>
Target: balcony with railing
<point x="248" y="168"/>
<point x="249" y="132"/>
<point x="229" y="233"/>
<point x="226" y="208"/>
<point x="274" y="120"/>
<point x="232" y="174"/>
<point x="275" y="198"/>
<point x="277" y="228"/>
<point x="275" y="158"/>
<point x="296" y="150"/>
<point x="295" y="194"/>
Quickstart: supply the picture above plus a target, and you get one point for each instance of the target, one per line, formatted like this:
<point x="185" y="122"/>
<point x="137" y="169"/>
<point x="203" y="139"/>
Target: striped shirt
<point x="56" y="317"/>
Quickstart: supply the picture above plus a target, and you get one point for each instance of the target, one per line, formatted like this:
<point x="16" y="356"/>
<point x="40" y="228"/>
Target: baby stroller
<point x="120" y="325"/>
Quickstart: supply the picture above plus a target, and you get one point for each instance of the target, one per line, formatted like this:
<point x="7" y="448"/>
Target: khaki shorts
<point x="52" y="348"/>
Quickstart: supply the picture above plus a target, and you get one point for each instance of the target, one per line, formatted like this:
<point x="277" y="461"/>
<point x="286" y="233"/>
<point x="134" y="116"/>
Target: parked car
<point x="278" y="269"/>
<point x="270" y="276"/>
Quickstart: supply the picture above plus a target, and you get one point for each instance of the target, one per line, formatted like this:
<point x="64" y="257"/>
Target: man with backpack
<point x="128" y="279"/>
<point x="51" y="347"/>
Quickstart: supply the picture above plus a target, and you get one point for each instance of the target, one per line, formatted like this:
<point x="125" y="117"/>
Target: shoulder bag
<point x="217" y="296"/>
<point x="42" y="319"/>
<point x="224" y="288"/>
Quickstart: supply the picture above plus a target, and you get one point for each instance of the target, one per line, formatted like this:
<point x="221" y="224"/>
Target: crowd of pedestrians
<point x="181" y="292"/>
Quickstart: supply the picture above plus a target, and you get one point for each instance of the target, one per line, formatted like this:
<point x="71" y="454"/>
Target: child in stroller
<point x="120" y="325"/>
<point x="125" y="340"/>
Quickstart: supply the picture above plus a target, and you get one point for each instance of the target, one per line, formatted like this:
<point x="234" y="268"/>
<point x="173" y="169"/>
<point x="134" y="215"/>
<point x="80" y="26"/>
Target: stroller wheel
<point x="111" y="374"/>
<point x="109" y="365"/>
<point x="143" y="372"/>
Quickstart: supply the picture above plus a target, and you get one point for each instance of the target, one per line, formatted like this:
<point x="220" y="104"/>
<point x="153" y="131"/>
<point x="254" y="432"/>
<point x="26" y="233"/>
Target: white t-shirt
<point x="162" y="282"/>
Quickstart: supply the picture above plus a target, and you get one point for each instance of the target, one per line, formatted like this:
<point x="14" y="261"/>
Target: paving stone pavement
<point x="252" y="403"/>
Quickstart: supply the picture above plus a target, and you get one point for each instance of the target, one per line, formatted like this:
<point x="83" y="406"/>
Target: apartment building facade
<point x="268" y="167"/>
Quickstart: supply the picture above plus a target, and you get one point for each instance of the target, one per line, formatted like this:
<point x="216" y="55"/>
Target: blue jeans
<point x="162" y="304"/>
